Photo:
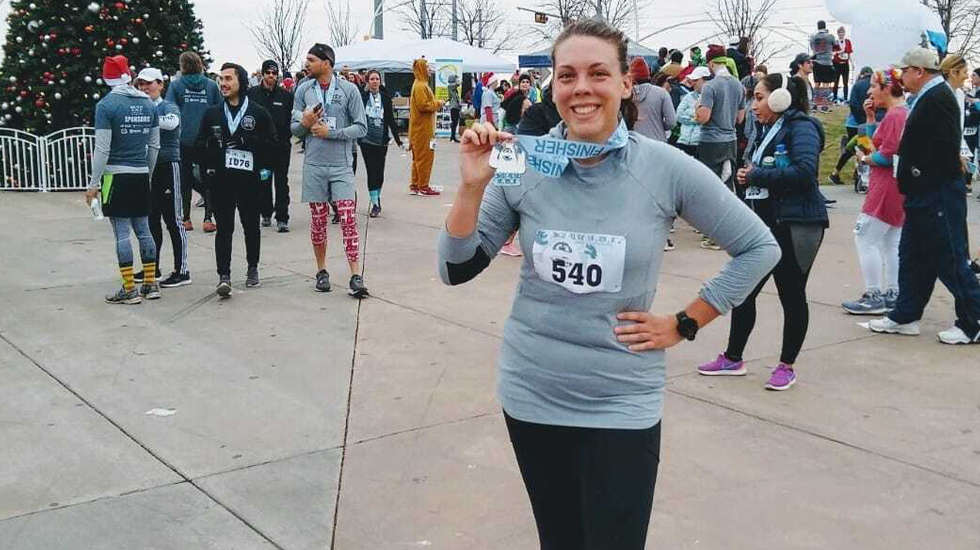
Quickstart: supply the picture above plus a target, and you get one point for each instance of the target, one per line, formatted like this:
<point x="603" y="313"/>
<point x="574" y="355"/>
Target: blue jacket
<point x="859" y="93"/>
<point x="794" y="190"/>
<point x="192" y="94"/>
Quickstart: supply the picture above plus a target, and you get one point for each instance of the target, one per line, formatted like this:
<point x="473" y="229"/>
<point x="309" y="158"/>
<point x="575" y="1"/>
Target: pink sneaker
<point x="511" y="249"/>
<point x="723" y="367"/>
<point x="782" y="378"/>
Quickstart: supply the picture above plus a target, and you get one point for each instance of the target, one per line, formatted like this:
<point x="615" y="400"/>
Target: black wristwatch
<point x="687" y="327"/>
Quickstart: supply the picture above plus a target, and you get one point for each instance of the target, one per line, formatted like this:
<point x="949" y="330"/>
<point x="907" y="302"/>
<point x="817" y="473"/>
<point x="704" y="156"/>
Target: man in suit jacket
<point x="930" y="175"/>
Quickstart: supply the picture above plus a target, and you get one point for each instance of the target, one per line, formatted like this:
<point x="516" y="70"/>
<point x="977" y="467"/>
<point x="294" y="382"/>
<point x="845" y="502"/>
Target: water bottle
<point x="864" y="176"/>
<point x="96" y="207"/>
<point x="782" y="157"/>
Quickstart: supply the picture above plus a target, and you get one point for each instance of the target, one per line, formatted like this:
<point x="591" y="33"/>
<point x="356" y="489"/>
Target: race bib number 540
<point x="582" y="263"/>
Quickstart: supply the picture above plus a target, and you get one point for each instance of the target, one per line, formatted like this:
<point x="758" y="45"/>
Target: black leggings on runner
<point x="845" y="152"/>
<point x="374" y="163"/>
<point x="843" y="71"/>
<point x="799" y="244"/>
<point x="590" y="488"/>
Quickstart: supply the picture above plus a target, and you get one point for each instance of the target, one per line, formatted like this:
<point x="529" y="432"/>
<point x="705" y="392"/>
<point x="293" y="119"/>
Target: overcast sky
<point x="226" y="35"/>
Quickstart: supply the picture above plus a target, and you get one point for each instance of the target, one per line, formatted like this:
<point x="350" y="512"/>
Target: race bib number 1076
<point x="582" y="263"/>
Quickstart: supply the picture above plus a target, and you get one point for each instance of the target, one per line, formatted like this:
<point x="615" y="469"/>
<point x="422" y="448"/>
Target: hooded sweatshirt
<point x="192" y="94"/>
<point x="656" y="111"/>
<point x="127" y="134"/>
<point x="593" y="242"/>
<point x="423" y="105"/>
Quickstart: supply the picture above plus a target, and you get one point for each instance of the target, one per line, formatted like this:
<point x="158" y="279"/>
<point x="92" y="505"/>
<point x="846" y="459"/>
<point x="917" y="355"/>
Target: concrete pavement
<point x="312" y="421"/>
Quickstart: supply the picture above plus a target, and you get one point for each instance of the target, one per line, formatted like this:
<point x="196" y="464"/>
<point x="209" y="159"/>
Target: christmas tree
<point x="50" y="77"/>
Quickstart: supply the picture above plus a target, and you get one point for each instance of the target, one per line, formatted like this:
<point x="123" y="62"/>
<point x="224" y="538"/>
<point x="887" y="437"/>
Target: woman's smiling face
<point x="589" y="86"/>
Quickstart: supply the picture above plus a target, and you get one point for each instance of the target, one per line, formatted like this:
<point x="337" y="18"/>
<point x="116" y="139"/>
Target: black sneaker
<point x="224" y="287"/>
<point x="322" y="281"/>
<point x="357" y="288"/>
<point x="975" y="268"/>
<point x="123" y="297"/>
<point x="282" y="227"/>
<point x="266" y="222"/>
<point x="138" y="277"/>
<point x="150" y="291"/>
<point x="375" y="210"/>
<point x="835" y="179"/>
<point x="176" y="279"/>
<point x="252" y="278"/>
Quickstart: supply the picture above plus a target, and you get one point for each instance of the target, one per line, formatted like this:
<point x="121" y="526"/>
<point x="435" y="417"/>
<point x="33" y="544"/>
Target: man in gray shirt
<point x="721" y="109"/>
<point x="822" y="46"/>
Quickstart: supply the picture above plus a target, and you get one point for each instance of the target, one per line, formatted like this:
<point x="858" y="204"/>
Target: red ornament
<point x="120" y="6"/>
<point x="123" y="41"/>
<point x="75" y="51"/>
<point x="53" y="36"/>
<point x="138" y="20"/>
<point x="39" y="104"/>
<point x="23" y="93"/>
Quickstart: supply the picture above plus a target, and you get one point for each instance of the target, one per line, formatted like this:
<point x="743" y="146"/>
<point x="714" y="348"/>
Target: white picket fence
<point x="61" y="161"/>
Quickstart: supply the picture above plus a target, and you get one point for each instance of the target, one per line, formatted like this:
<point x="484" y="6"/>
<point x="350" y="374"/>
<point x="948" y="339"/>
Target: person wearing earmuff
<point x="782" y="188"/>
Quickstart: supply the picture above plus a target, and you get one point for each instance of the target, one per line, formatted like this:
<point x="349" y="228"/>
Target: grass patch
<point x="833" y="126"/>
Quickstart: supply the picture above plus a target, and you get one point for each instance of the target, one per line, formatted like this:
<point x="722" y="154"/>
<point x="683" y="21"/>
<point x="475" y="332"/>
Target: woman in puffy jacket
<point x="782" y="187"/>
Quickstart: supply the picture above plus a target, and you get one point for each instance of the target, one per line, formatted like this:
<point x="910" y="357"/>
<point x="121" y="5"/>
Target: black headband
<point x="323" y="52"/>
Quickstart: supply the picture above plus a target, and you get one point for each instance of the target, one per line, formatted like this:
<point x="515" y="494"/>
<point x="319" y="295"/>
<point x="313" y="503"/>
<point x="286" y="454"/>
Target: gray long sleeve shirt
<point x="345" y="112"/>
<point x="127" y="134"/>
<point x="656" y="115"/>
<point x="593" y="244"/>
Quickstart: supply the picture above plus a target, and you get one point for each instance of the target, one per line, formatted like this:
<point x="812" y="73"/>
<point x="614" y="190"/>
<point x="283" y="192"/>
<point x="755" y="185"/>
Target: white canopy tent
<point x="398" y="55"/>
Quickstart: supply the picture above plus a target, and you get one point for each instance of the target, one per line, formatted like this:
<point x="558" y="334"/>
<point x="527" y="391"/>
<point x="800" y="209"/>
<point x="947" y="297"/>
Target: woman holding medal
<point x="374" y="146"/>
<point x="582" y="365"/>
<point x="782" y="189"/>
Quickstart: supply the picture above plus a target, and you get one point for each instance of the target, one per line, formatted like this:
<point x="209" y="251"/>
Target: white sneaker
<point x="956" y="335"/>
<point x="887" y="326"/>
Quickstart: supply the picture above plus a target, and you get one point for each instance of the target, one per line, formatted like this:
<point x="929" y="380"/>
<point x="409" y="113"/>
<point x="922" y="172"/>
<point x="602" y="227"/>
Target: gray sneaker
<point x="891" y="299"/>
<point x="252" y="278"/>
<point x="322" y="281"/>
<point x="224" y="286"/>
<point x="123" y="297"/>
<point x="357" y="288"/>
<point x="872" y="303"/>
<point x="282" y="227"/>
<point x="150" y="291"/>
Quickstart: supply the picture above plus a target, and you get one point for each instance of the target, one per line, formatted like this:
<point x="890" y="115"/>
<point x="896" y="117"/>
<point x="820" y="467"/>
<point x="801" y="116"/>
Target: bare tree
<point x="961" y="21"/>
<point x="278" y="33"/>
<point x="619" y="13"/>
<point x="340" y="24"/>
<point x="426" y="18"/>
<point x="747" y="18"/>
<point x="482" y="23"/>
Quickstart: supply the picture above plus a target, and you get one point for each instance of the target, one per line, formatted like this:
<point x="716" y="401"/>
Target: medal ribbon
<point x="550" y="156"/>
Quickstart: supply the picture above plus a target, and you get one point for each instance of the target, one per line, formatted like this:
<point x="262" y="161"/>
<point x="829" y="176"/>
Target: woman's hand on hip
<point x="645" y="332"/>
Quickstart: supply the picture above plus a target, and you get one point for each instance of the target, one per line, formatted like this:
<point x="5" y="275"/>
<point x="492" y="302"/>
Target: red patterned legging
<point x="319" y="211"/>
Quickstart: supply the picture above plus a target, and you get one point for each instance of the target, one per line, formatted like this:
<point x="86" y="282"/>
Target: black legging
<point x="590" y="488"/>
<point x="453" y="122"/>
<point x="799" y="244"/>
<point x="189" y="157"/>
<point x="374" y="163"/>
<point x="843" y="71"/>
<point x="846" y="153"/>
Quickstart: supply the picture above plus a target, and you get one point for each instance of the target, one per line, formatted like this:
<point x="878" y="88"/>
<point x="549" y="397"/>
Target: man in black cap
<point x="802" y="66"/>
<point x="279" y="103"/>
<point x="236" y="138"/>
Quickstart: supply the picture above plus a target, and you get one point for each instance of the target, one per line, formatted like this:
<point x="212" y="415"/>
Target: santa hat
<point x="115" y="71"/>
<point x="639" y="70"/>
